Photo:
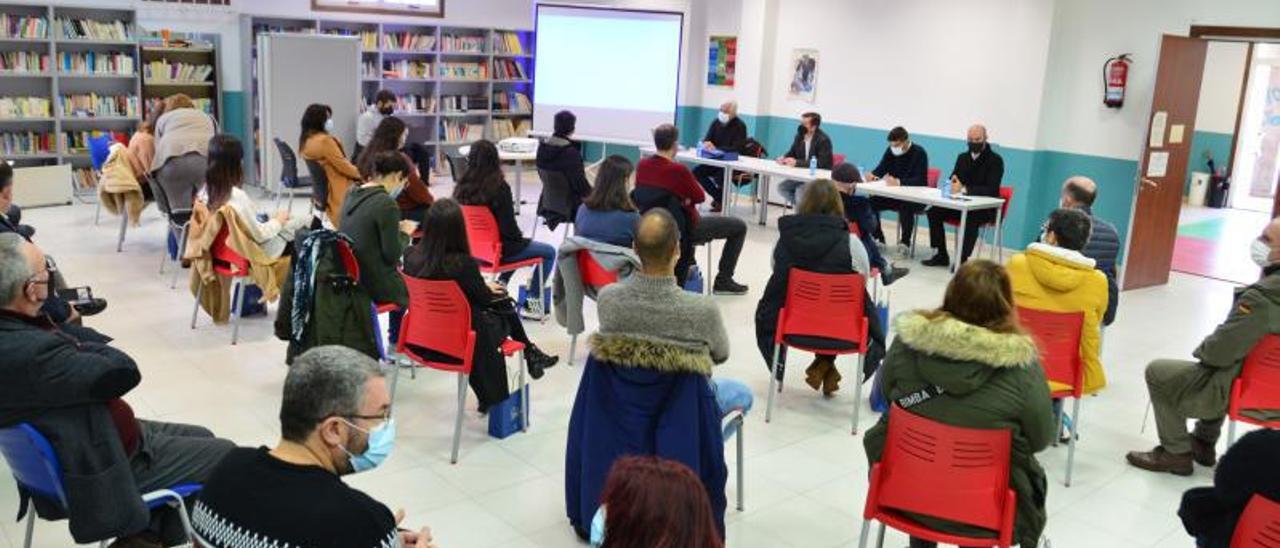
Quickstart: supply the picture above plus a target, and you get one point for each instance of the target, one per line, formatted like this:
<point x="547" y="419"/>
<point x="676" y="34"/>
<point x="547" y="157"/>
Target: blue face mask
<point x="381" y="441"/>
<point x="597" y="528"/>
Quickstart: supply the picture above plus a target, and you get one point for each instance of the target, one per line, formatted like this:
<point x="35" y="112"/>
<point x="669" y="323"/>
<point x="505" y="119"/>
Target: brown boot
<point x="1160" y="460"/>
<point x="831" y="382"/>
<point x="816" y="372"/>
<point x="1203" y="452"/>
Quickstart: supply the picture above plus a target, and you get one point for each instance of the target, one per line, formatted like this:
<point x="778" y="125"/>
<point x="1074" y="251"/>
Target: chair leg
<point x="1231" y="432"/>
<point x="1145" y="415"/>
<point x="164" y="251"/>
<point x="573" y="347"/>
<point x="857" y="394"/>
<point x="186" y="519"/>
<point x="524" y="397"/>
<point x="196" y="311"/>
<point x="880" y="537"/>
<point x="395" y="380"/>
<point x="182" y="250"/>
<point x="1071" y="440"/>
<point x="124" y="225"/>
<point x="279" y="194"/>
<point x="773" y="381"/>
<point x="457" y="421"/>
<point x="31" y="527"/>
<point x="97" y="211"/>
<point x="866" y="530"/>
<point x="237" y="298"/>
<point x="741" y="424"/>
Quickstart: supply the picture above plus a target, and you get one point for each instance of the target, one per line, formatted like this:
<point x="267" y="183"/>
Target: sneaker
<point x="904" y="250"/>
<point x="938" y="259"/>
<point x="1203" y="452"/>
<point x="92" y="307"/>
<point x="893" y="274"/>
<point x="726" y="286"/>
<point x="1160" y="460"/>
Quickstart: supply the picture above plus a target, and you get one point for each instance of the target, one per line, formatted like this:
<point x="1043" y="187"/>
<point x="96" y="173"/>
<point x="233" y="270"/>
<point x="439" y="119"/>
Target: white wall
<point x="1224" y="67"/>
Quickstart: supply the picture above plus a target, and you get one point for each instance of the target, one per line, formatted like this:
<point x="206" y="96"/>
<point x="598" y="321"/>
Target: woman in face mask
<point x="317" y="144"/>
<point x="391" y="135"/>
<point x="378" y="235"/>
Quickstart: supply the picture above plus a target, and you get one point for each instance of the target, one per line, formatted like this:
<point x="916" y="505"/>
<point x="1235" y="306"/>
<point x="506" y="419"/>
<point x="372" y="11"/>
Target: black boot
<point x="538" y="361"/>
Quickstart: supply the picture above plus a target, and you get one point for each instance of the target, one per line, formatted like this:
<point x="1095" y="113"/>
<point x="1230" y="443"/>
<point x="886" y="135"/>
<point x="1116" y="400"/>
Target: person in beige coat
<point x="182" y="146"/>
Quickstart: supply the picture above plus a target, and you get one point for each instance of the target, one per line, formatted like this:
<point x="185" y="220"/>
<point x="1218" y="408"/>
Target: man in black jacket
<point x="560" y="153"/>
<point x="904" y="163"/>
<point x="1104" y="242"/>
<point x="727" y="133"/>
<point x="1248" y="469"/>
<point x="67" y="382"/>
<point x="978" y="172"/>
<point x="810" y="142"/>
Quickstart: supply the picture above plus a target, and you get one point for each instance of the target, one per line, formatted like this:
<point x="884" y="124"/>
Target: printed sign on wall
<point x="722" y="57"/>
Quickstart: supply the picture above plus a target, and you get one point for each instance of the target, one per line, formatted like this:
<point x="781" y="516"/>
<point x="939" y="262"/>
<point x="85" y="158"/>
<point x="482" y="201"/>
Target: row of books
<point x="512" y="101"/>
<point x="368" y="38"/>
<point x="166" y="71"/>
<point x="405" y="68"/>
<point x="414" y="103"/>
<point x="508" y="69"/>
<point x="24" y="61"/>
<point x="461" y="44"/>
<point x="76" y="142"/>
<point x="94" y="105"/>
<point x="90" y="29"/>
<point x="408" y="41"/>
<point x="455" y="132"/>
<point x="21" y="143"/>
<point x="25" y="107"/>
<point x="92" y="62"/>
<point x="507" y="43"/>
<point x="462" y="103"/>
<point x="507" y="127"/>
<point x="23" y="26"/>
<point x="84" y="178"/>
<point x="464" y="71"/>
<point x="369" y="69"/>
<point x="202" y="103"/>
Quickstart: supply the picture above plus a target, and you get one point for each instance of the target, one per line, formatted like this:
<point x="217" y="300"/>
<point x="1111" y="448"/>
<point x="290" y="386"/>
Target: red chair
<point x="1257" y="387"/>
<point x="439" y="318"/>
<point x="952" y="473"/>
<point x="1057" y="335"/>
<point x="824" y="306"/>
<point x="595" y="277"/>
<point x="1259" y="525"/>
<point x="229" y="264"/>
<point x="1006" y="194"/>
<point x="486" y="246"/>
<point x="837" y="159"/>
<point x="931" y="177"/>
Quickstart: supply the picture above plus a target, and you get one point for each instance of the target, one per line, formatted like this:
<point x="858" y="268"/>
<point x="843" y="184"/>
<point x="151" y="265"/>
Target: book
<point x="24" y="62"/>
<point x="94" y="105"/>
<point x="462" y="103"/>
<point x="84" y="178"/>
<point x="507" y="43"/>
<point x="504" y="128"/>
<point x="368" y="38"/>
<point x="23" y="26"/>
<point x="408" y="41"/>
<point x="25" y="143"/>
<point x="89" y="29"/>
<point x="25" y="107"/>
<point x="508" y="69"/>
<point x="453" y="43"/>
<point x="93" y="62"/>
<point x="511" y="101"/>
<point x="463" y="71"/>
<point x="453" y="131"/>
<point x="405" y="68"/>
<point x="164" y="71"/>
<point x="413" y="103"/>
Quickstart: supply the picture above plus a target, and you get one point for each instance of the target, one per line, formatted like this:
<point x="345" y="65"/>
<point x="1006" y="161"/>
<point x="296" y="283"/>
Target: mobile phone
<point x="76" y="295"/>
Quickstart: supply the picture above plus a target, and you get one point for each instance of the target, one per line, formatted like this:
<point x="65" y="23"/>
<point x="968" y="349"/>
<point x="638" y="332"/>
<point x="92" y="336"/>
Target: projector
<point x="518" y="145"/>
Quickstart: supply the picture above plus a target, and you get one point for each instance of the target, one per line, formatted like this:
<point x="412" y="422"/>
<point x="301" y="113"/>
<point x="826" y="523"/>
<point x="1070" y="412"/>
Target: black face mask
<point x="975" y="148"/>
<point x="387" y="110"/>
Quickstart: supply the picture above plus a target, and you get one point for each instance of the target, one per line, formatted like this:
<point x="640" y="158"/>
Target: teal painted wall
<point x="1217" y="145"/>
<point x="233" y="105"/>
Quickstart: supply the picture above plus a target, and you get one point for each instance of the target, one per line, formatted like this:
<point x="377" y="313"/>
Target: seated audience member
<point x="1248" y="468"/>
<point x="443" y="254"/>
<point x="1201" y="389"/>
<point x="727" y="133"/>
<point x="1104" y="242"/>
<point x="657" y="502"/>
<point x="662" y="171"/>
<point x="904" y="163"/>
<point x="815" y="239"/>
<point x="224" y="185"/>
<point x="378" y="234"/>
<point x="978" y="172"/>
<point x="181" y="149"/>
<point x="810" y="142"/>
<point x="858" y="210"/>
<point x="390" y="136"/>
<point x="561" y="154"/>
<point x="316" y="144"/>
<point x="67" y="382"/>
<point x="983" y="372"/>
<point x="335" y="420"/>
<point x="1053" y="276"/>
<point x="607" y="215"/>
<point x="142" y="145"/>
<point x="384" y="105"/>
<point x="483" y="185"/>
<point x="647" y="387"/>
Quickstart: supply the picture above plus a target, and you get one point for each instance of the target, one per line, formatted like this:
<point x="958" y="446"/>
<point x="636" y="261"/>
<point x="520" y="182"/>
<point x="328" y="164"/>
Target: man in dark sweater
<point x="978" y="172"/>
<point x="810" y="143"/>
<point x="727" y="133"/>
<point x="907" y="164"/>
<point x="1104" y="242"/>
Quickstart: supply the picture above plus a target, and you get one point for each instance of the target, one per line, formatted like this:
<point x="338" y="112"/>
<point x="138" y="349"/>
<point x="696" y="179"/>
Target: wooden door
<point x="1153" y="228"/>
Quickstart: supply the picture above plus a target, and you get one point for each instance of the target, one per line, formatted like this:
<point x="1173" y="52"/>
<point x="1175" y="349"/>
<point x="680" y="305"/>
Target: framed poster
<point x="421" y="8"/>
<point x="804" y="74"/>
<point x="722" y="56"/>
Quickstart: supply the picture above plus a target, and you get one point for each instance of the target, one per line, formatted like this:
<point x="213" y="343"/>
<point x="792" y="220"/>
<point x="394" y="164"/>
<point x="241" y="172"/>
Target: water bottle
<point x="813" y="166"/>
<point x="944" y="186"/>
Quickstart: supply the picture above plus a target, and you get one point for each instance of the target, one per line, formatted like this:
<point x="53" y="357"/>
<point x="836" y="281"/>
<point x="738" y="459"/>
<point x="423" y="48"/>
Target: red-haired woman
<point x="653" y="503"/>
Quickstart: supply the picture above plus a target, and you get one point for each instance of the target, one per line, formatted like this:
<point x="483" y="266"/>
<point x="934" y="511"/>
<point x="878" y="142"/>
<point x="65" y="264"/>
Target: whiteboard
<point x="294" y="71"/>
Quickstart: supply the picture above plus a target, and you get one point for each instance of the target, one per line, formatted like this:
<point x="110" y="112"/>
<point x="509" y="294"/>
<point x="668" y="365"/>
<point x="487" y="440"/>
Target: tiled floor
<point x="805" y="475"/>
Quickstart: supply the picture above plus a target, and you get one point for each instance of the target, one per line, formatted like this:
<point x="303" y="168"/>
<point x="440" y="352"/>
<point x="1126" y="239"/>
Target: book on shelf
<point x="464" y="70"/>
<point x="462" y="103"/>
<point x="405" y="68"/>
<point x="507" y="43"/>
<point x="408" y="41"/>
<point x="84" y="178"/>
<point x="93" y="62"/>
<point x="203" y="104"/>
<point x="453" y="43"/>
<point x="89" y="29"/>
<point x="166" y="71"/>
<point x="24" y="62"/>
<point x="369" y="69"/>
<point x="368" y="38"/>
<point x="281" y="29"/>
<point x="506" y="127"/>
<point x="454" y="131"/>
<point x="24" y="107"/>
<point x="77" y="142"/>
<point x="508" y="69"/>
<point x="23" y="26"/>
<point x="94" y="105"/>
<point x="25" y="143"/>
<point x="413" y="103"/>
<point x="511" y="101"/>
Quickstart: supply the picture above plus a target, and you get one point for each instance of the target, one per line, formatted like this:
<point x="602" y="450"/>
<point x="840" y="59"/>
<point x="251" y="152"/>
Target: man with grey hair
<point x="335" y="419"/>
<point x="67" y="382"/>
<point x="727" y="134"/>
<point x="1078" y="192"/>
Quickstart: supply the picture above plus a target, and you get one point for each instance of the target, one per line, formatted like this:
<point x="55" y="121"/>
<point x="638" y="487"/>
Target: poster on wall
<point x="722" y="56"/>
<point x="421" y="8"/>
<point x="804" y="77"/>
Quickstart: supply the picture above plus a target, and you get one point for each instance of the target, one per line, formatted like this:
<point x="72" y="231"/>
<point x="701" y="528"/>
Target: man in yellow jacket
<point x="1053" y="275"/>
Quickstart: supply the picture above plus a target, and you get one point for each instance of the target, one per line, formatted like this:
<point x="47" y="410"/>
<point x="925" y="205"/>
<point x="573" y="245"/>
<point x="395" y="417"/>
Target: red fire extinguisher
<point x="1115" y="73"/>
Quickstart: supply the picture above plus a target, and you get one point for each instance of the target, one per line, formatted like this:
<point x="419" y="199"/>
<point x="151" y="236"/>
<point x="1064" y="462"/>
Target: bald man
<point x="1104" y="242"/>
<point x="728" y="134"/>
<point x="978" y="172"/>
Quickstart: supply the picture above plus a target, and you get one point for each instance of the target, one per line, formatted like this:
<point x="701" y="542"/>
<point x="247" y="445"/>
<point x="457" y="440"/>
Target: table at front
<point x="519" y="158"/>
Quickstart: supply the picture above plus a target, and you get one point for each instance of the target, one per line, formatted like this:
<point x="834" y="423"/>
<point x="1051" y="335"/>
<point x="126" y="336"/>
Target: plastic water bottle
<point x="944" y="186"/>
<point x="813" y="166"/>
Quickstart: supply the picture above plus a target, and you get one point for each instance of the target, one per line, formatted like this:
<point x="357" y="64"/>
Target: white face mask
<point x="724" y="117"/>
<point x="898" y="151"/>
<point x="328" y="125"/>
<point x="1260" y="252"/>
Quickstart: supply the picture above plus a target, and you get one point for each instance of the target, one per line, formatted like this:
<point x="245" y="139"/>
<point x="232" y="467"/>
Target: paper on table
<point x="1157" y="164"/>
<point x="1175" y="133"/>
<point x="1158" y="122"/>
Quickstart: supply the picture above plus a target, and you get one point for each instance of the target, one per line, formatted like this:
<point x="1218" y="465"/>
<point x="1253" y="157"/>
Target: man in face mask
<point x="384" y="104"/>
<point x="904" y="163"/>
<point x="335" y="420"/>
<point x="1201" y="389"/>
<point x="810" y="142"/>
<point x="727" y="134"/>
<point x="978" y="172"/>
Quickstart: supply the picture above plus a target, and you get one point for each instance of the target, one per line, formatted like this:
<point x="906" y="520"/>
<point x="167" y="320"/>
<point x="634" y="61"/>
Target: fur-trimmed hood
<point x="960" y="357"/>
<point x="646" y="353"/>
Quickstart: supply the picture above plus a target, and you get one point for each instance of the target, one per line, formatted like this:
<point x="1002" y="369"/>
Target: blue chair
<point x="35" y="467"/>
<point x="99" y="150"/>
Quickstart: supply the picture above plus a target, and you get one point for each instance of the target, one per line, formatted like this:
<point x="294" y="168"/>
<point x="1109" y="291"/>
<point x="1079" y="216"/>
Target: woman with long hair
<point x="224" y="179"/>
<point x="182" y="136"/>
<point x="444" y="254"/>
<point x="390" y="135"/>
<point x="484" y="185"/>
<point x="652" y="502"/>
<point x="608" y="215"/>
<point x="985" y="372"/>
<point x="316" y="143"/>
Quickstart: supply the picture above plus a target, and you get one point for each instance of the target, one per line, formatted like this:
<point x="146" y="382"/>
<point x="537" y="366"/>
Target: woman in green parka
<point x="989" y="371"/>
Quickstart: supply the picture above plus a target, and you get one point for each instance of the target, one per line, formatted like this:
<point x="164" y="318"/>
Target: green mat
<point x="1209" y="229"/>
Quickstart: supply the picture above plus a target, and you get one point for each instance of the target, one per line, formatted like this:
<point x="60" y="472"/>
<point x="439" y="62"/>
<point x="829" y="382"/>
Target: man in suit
<point x="1104" y="242"/>
<point x="810" y="142"/>
<point x="904" y="163"/>
<point x="727" y="134"/>
<point x="978" y="172"/>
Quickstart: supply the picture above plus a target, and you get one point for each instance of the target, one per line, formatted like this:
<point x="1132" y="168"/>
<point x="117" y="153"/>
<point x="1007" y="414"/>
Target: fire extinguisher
<point x="1115" y="73"/>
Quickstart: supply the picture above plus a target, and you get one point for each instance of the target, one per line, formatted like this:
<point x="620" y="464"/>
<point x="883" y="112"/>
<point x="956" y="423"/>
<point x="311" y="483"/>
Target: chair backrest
<point x="953" y="473"/>
<point x="483" y="234"/>
<point x="227" y="262"/>
<point x="824" y="305"/>
<point x="854" y="230"/>
<point x="99" y="150"/>
<point x="1006" y="194"/>
<point x="1057" y="336"/>
<point x="439" y="318"/>
<point x="556" y="198"/>
<point x="1259" y="525"/>
<point x="33" y="462"/>
<point x="593" y="274"/>
<point x="837" y="159"/>
<point x="932" y="176"/>
<point x="288" y="164"/>
<point x="457" y="166"/>
<point x="1260" y="379"/>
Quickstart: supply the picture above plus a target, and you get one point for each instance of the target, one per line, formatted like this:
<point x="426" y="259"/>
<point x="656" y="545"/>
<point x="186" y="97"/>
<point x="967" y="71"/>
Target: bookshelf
<point x="65" y="72"/>
<point x="187" y="63"/>
<point x="455" y="84"/>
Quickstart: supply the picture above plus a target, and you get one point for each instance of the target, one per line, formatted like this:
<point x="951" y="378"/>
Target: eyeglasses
<point x="49" y="269"/>
<point x="381" y="419"/>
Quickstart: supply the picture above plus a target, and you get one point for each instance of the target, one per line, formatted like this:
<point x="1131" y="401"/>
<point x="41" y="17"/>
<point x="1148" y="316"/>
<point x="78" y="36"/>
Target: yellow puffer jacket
<point x="1056" y="279"/>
